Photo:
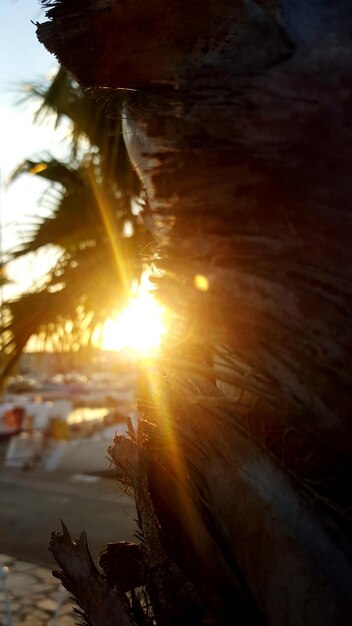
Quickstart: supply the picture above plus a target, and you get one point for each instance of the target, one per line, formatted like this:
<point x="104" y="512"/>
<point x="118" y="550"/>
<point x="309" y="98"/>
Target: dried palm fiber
<point x="255" y="176"/>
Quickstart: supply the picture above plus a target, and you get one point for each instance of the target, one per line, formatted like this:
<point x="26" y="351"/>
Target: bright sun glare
<point x="140" y="327"/>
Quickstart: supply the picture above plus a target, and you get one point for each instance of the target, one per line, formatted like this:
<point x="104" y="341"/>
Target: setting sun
<point x="140" y="327"/>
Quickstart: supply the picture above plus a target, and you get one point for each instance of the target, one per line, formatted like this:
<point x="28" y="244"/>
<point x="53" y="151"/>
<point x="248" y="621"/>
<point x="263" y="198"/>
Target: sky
<point x="22" y="59"/>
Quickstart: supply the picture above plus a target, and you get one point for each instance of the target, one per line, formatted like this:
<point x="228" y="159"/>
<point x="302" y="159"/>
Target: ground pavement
<point x="31" y="505"/>
<point x="31" y="596"/>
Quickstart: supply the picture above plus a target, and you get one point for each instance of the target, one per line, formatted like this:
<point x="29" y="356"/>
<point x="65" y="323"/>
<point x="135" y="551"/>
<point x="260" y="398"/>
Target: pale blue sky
<point x="21" y="55"/>
<point x="22" y="59"/>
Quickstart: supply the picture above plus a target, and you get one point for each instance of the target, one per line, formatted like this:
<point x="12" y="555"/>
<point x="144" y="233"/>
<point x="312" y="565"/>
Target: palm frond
<point x="50" y="169"/>
<point x="91" y="116"/>
<point x="89" y="200"/>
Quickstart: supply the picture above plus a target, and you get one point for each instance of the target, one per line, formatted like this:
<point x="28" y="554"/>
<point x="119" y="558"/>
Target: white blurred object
<point x="24" y="450"/>
<point x="5" y="592"/>
<point x="88" y="454"/>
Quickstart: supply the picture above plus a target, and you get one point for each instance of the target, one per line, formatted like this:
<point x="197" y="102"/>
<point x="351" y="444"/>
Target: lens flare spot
<point x="201" y="282"/>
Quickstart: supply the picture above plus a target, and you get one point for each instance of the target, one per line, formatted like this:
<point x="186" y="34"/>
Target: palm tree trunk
<point x="249" y="160"/>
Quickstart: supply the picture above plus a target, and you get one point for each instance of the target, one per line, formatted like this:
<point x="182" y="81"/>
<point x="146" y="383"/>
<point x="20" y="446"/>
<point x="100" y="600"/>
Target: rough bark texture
<point x="243" y="494"/>
<point x="100" y="605"/>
